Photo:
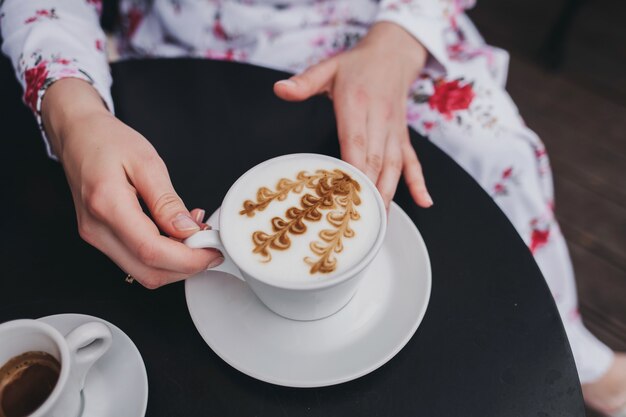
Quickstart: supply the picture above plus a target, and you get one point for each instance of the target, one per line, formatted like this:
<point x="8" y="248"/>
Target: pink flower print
<point x="501" y="186"/>
<point x="453" y="22"/>
<point x="574" y="315"/>
<point x="97" y="4"/>
<point x="499" y="189"/>
<point x="100" y="45"/>
<point x="66" y="72"/>
<point x="40" y="14"/>
<point x="62" y="61"/>
<point x="35" y="79"/>
<point x="540" y="153"/>
<point x="228" y="55"/>
<point x="319" y="41"/>
<point x="412" y="115"/>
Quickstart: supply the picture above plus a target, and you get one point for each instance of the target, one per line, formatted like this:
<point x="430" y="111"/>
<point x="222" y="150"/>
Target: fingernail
<point x="184" y="223"/>
<point x="288" y="83"/>
<point x="200" y="215"/>
<point x="429" y="199"/>
<point x="215" y="262"/>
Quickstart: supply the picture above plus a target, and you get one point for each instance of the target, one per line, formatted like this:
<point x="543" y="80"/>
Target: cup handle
<point x="87" y="343"/>
<point x="211" y="239"/>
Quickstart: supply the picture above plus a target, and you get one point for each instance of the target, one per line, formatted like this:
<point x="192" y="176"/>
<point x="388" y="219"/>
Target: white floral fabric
<point x="459" y="102"/>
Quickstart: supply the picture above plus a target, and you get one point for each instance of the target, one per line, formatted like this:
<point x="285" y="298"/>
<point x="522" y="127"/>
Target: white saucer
<point x="364" y="335"/>
<point x="117" y="384"/>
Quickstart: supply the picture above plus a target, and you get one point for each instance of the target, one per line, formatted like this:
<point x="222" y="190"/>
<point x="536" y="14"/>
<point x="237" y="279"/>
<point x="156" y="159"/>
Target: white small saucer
<point x="117" y="384"/>
<point x="364" y="335"/>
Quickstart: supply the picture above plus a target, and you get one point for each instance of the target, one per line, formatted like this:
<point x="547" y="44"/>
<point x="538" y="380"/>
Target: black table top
<point x="491" y="343"/>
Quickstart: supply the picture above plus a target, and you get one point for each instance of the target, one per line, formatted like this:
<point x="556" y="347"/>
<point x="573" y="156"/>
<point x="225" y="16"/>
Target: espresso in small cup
<point x="43" y="372"/>
<point x="305" y="219"/>
<point x="26" y="381"/>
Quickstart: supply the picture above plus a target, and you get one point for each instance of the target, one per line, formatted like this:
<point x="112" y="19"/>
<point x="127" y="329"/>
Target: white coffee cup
<point x="293" y="300"/>
<point x="76" y="353"/>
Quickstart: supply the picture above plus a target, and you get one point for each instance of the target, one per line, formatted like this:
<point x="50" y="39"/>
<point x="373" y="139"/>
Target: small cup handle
<point x="87" y="343"/>
<point x="211" y="239"/>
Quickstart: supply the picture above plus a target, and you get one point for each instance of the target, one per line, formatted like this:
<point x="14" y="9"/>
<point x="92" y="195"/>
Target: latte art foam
<point x="333" y="191"/>
<point x="302" y="218"/>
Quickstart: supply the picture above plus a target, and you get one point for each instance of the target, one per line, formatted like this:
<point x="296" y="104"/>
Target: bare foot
<point x="608" y="394"/>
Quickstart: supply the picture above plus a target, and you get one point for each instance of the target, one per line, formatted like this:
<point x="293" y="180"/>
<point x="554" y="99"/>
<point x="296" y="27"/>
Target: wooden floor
<point x="579" y="111"/>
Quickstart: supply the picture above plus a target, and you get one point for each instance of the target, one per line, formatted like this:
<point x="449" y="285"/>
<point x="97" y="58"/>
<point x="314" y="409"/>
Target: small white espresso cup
<point x="76" y="353"/>
<point x="292" y="300"/>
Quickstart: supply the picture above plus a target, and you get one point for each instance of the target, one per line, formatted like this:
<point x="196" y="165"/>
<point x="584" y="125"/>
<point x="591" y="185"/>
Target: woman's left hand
<point x="369" y="85"/>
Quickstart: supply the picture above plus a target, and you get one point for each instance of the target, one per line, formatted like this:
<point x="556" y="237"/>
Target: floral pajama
<point x="459" y="102"/>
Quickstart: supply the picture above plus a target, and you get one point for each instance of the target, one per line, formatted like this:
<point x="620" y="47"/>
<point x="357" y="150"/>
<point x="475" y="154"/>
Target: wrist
<point x="391" y="37"/>
<point x="65" y="103"/>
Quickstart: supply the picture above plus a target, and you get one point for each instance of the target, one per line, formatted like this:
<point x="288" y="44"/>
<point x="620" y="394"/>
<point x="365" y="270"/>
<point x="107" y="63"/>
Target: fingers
<point x="414" y="177"/>
<point x="147" y="276"/>
<point x="377" y="134"/>
<point x="119" y="210"/>
<point x="314" y="80"/>
<point x="351" y="115"/>
<point x="152" y="181"/>
<point x="391" y="172"/>
<point x="140" y="235"/>
<point x="197" y="215"/>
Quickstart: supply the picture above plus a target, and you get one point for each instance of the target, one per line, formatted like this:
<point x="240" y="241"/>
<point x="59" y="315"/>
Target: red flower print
<point x="35" y="79"/>
<point x="100" y="45"/>
<point x="428" y="125"/>
<point x="451" y="96"/>
<point x="30" y="20"/>
<point x="134" y="19"/>
<point x="538" y="239"/>
<point x="507" y="172"/>
<point x="218" y="30"/>
<point x="499" y="189"/>
<point x="63" y="61"/>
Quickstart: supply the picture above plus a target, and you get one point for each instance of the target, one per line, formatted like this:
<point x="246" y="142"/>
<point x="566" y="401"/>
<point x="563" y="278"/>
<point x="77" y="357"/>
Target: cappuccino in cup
<point x="299" y="230"/>
<point x="305" y="219"/>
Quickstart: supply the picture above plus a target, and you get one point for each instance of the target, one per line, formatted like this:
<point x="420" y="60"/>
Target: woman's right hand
<point x="109" y="166"/>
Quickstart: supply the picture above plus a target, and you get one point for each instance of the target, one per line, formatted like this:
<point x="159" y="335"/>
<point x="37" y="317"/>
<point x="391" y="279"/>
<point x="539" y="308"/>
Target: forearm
<point x="67" y="102"/>
<point x="51" y="40"/>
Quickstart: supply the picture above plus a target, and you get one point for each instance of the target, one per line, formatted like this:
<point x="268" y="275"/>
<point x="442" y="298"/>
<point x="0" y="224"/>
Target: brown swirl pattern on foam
<point x="332" y="190"/>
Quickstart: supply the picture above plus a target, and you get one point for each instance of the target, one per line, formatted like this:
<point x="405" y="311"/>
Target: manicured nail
<point x="199" y="215"/>
<point x="215" y="262"/>
<point x="288" y="83"/>
<point x="184" y="223"/>
<point x="429" y="199"/>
